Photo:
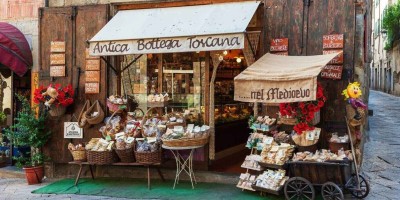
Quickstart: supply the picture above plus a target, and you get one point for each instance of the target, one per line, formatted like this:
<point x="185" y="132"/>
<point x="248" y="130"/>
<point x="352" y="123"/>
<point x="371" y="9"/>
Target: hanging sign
<point x="92" y="88"/>
<point x="332" y="71"/>
<point x="93" y="64"/>
<point x="334" y="41"/>
<point x="57" y="71"/>
<point x="57" y="59"/>
<point x="92" y="76"/>
<point x="336" y="60"/>
<point x="279" y="44"/>
<point x="168" y="45"/>
<point x="57" y="47"/>
<point x="72" y="130"/>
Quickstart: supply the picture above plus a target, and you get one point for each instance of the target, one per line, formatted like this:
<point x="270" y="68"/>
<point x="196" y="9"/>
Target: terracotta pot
<point x="34" y="175"/>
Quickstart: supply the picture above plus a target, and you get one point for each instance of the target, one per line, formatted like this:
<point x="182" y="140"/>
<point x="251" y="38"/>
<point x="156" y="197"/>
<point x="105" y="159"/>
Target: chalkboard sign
<point x="336" y="60"/>
<point x="334" y="41"/>
<point x="279" y="44"/>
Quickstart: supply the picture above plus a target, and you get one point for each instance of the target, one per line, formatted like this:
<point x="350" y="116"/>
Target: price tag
<point x="310" y="135"/>
<point x="317" y="132"/>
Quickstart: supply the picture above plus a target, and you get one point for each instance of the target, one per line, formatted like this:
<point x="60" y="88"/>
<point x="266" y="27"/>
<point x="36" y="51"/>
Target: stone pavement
<point x="381" y="163"/>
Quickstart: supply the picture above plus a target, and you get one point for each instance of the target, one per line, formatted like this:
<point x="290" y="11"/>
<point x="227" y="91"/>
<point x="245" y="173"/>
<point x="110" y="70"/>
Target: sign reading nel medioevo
<point x="72" y="130"/>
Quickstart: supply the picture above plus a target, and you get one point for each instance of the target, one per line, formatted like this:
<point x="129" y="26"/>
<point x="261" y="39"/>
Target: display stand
<point x="183" y="164"/>
<point x="148" y="165"/>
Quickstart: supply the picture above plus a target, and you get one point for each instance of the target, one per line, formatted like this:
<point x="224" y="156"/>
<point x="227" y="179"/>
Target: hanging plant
<point x="303" y="112"/>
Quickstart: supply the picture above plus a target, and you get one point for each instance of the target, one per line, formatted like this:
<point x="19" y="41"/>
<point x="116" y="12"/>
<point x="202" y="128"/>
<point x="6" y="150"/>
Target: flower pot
<point x="56" y="111"/>
<point x="34" y="175"/>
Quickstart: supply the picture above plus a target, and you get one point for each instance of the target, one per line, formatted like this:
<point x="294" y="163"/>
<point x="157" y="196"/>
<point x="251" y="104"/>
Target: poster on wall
<point x="72" y="130"/>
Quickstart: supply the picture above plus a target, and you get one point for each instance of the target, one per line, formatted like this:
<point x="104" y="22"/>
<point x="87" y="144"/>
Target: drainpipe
<point x="304" y="33"/>
<point x="46" y="3"/>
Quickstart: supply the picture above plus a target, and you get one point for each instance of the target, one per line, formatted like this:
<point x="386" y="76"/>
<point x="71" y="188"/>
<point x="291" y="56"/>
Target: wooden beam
<point x="166" y="4"/>
<point x="160" y="73"/>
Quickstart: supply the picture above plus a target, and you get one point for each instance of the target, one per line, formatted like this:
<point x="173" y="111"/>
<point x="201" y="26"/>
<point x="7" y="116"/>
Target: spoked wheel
<point x="330" y="191"/>
<point x="297" y="188"/>
<point x="364" y="187"/>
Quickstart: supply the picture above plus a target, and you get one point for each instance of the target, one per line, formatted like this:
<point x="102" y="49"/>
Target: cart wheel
<point x="330" y="191"/>
<point x="364" y="187"/>
<point x="299" y="188"/>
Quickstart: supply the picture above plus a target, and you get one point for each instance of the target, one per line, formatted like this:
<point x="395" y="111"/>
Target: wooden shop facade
<point x="147" y="47"/>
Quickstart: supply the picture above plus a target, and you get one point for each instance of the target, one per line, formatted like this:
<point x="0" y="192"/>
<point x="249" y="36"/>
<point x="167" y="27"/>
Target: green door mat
<point x="137" y="189"/>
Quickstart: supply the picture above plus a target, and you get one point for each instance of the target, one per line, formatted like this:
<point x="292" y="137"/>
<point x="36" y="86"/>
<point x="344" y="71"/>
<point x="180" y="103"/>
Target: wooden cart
<point x="332" y="177"/>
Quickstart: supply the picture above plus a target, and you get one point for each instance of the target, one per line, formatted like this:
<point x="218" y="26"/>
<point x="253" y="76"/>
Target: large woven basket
<point x="114" y="107"/>
<point x="126" y="156"/>
<point x="186" y="142"/>
<point x="288" y="121"/>
<point x="79" y="155"/>
<point x="95" y="108"/>
<point x="101" y="157"/>
<point x="148" y="157"/>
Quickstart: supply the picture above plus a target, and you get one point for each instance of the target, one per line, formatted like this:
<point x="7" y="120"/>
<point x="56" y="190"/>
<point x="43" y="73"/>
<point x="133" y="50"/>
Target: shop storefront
<point x="15" y="64"/>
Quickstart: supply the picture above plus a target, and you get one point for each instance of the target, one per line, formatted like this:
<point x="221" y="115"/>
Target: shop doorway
<point x="11" y="84"/>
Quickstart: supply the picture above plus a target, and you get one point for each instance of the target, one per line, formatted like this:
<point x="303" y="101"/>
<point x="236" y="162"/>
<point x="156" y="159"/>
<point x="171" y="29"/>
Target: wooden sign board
<point x="332" y="72"/>
<point x="89" y="56"/>
<point x="57" y="59"/>
<point x="92" y="88"/>
<point x="336" y="60"/>
<point x="282" y="53"/>
<point x="279" y="44"/>
<point x="58" y="47"/>
<point x="57" y="71"/>
<point x="92" y="76"/>
<point x="72" y="130"/>
<point x="334" y="41"/>
<point x="93" y="64"/>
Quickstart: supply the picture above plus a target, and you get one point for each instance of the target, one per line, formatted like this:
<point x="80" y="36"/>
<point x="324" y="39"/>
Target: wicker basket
<point x="79" y="155"/>
<point x="114" y="107"/>
<point x="101" y="157"/>
<point x="148" y="157"/>
<point x="288" y="121"/>
<point x="186" y="142"/>
<point x="126" y="156"/>
<point x="159" y="104"/>
<point x="56" y="111"/>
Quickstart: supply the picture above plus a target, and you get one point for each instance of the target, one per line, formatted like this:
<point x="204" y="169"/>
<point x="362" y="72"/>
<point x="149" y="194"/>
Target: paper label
<point x="268" y="140"/>
<point x="310" y="135"/>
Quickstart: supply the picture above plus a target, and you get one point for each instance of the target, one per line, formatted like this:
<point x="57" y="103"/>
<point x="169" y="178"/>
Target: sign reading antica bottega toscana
<point x="163" y="45"/>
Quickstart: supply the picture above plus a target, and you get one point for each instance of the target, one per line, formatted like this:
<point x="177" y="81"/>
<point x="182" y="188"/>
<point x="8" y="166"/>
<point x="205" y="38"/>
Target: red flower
<point x="64" y="96"/>
<point x="302" y="105"/>
<point x="311" y="107"/>
<point x="321" y="104"/>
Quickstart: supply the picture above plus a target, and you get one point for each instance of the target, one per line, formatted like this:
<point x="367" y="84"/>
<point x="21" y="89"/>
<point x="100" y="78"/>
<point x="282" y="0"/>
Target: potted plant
<point x="30" y="130"/>
<point x="56" y="98"/>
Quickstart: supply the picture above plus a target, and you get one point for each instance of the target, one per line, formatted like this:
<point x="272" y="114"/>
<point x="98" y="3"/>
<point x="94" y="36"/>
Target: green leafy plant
<point x="3" y="117"/>
<point x="391" y="23"/>
<point x="29" y="130"/>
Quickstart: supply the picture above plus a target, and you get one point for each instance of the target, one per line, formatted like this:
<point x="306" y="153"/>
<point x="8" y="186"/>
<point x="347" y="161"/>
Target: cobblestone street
<point x="382" y="151"/>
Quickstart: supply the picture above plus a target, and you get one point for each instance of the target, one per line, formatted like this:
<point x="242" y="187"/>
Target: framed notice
<point x="58" y="47"/>
<point x="92" y="88"/>
<point x="57" y="71"/>
<point x="92" y="76"/>
<point x="336" y="60"/>
<point x="279" y="44"/>
<point x="334" y="41"/>
<point x="93" y="64"/>
<point x="332" y="72"/>
<point x="57" y="59"/>
<point x="72" y="130"/>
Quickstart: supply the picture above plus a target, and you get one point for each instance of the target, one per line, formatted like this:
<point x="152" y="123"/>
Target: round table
<point x="183" y="164"/>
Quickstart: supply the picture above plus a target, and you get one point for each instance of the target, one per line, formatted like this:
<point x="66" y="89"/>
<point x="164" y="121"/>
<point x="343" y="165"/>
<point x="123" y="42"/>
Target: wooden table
<point x="148" y="165"/>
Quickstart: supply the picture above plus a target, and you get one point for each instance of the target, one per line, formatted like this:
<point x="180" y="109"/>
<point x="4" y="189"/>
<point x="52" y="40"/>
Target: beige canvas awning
<point x="280" y="79"/>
